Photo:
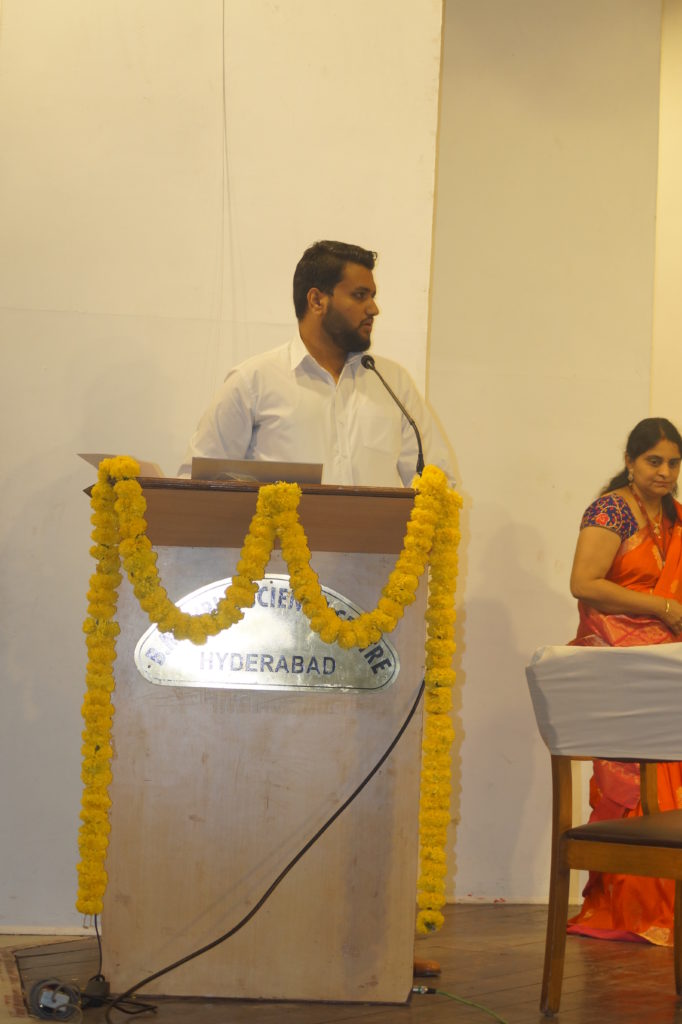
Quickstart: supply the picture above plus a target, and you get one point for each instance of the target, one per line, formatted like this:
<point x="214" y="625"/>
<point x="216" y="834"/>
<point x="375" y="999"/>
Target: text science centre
<point x="271" y="648"/>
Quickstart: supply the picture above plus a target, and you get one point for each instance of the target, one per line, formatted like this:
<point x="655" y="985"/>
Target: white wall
<point x="539" y="360"/>
<point x="142" y="254"/>
<point x="666" y="363"/>
<point x="149" y="238"/>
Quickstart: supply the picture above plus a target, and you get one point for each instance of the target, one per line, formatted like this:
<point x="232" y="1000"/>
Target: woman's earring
<point x="631" y="476"/>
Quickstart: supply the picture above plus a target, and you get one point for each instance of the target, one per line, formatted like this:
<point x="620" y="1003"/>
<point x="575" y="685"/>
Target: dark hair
<point x="322" y="265"/>
<point x="645" y="436"/>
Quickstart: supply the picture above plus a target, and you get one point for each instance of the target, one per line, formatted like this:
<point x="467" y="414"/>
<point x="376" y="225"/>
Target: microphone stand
<point x="369" y="364"/>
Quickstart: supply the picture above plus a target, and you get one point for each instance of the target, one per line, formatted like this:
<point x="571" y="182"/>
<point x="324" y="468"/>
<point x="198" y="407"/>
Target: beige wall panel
<point x="540" y="350"/>
<point x="666" y="360"/>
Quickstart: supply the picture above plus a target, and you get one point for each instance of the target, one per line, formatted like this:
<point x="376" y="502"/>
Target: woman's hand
<point x="671" y="614"/>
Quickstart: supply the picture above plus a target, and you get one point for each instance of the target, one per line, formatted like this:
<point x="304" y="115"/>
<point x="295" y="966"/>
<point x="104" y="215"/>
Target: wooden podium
<point x="215" y="790"/>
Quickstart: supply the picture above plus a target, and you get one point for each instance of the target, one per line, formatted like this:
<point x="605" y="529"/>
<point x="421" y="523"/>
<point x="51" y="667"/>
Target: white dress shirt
<point x="283" y="406"/>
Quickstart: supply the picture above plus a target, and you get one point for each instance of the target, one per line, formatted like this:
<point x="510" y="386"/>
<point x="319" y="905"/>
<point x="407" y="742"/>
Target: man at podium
<point x="319" y="398"/>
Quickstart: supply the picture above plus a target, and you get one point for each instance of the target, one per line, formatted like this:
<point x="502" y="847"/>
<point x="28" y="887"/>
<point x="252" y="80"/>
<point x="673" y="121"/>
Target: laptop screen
<point x="257" y="471"/>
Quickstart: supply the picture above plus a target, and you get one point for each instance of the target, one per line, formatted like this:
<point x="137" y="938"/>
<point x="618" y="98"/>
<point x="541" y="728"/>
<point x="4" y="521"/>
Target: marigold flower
<point x="119" y="536"/>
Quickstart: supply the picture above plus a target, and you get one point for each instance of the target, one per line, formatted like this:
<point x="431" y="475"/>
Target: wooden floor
<point x="490" y="955"/>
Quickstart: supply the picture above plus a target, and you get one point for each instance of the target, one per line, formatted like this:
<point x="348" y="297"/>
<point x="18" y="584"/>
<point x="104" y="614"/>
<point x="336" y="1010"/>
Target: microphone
<point x="369" y="364"/>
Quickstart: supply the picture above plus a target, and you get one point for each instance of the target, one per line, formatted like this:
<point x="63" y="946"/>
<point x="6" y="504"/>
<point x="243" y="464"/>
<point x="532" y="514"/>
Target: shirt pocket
<point x="380" y="432"/>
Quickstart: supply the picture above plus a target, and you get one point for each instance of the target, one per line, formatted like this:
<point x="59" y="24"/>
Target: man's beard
<point x="345" y="337"/>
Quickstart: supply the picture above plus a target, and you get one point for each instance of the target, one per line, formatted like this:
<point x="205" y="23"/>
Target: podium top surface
<point x="203" y="513"/>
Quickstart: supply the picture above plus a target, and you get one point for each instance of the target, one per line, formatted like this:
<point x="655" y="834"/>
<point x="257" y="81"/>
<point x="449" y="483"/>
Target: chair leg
<point x="677" y="937"/>
<point x="555" y="943"/>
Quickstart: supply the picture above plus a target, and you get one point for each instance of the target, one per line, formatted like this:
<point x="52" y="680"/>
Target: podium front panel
<point x="215" y="791"/>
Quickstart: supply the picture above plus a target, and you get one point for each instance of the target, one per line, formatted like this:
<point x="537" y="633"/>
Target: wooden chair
<point x="622" y="704"/>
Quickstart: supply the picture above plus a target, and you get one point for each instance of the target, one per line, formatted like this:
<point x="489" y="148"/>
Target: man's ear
<point x="317" y="301"/>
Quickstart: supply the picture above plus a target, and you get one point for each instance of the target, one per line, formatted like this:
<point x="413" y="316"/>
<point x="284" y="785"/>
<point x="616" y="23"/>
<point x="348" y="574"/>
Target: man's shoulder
<point x="279" y="356"/>
<point x="395" y="372"/>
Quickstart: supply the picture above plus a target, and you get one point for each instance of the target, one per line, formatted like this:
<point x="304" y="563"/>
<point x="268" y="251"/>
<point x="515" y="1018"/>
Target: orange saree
<point x="624" y="906"/>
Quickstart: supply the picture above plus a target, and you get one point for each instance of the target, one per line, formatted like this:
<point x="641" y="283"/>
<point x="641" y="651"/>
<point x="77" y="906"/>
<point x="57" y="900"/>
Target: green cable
<point x="423" y="990"/>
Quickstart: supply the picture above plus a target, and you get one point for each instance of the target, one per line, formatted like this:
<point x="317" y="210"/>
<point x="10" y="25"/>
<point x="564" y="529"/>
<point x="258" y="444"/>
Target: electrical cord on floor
<point x="423" y="990"/>
<point x="52" y="999"/>
<point x="97" y="989"/>
<point x="115" y="1004"/>
<point x="96" y="992"/>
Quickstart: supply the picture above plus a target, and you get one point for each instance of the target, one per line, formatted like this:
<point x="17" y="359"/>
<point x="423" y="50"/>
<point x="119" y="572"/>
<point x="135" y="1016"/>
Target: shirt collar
<point x="299" y="353"/>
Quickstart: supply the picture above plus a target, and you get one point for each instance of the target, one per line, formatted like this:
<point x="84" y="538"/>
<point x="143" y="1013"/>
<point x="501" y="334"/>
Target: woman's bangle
<point x="667" y="606"/>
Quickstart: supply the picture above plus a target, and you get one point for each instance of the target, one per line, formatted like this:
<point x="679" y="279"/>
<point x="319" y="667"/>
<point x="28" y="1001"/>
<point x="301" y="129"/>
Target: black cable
<point x="115" y="1004"/>
<point x="96" y="992"/>
<point x="99" y="947"/>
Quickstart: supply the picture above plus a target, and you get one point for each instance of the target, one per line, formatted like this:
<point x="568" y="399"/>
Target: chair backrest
<point x="610" y="702"/>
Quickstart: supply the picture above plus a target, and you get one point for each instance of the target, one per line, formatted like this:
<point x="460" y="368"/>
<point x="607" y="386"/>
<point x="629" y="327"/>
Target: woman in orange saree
<point x="627" y="575"/>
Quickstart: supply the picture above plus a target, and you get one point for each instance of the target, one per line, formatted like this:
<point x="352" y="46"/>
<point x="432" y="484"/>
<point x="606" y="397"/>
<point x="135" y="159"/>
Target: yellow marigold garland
<point x="119" y="537"/>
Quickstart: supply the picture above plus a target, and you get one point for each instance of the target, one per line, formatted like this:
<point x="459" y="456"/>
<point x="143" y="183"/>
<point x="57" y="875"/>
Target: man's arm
<point x="225" y="429"/>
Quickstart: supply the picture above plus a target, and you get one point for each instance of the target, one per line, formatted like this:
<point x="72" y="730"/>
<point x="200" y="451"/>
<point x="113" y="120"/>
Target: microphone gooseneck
<point x="369" y="364"/>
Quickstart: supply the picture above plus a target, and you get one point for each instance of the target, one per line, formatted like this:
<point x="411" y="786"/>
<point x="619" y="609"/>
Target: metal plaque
<point x="271" y="648"/>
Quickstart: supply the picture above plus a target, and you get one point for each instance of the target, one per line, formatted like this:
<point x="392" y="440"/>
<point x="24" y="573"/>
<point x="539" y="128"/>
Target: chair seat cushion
<point x="664" y="829"/>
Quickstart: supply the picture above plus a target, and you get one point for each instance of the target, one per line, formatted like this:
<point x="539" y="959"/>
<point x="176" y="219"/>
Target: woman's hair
<point x="645" y="436"/>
